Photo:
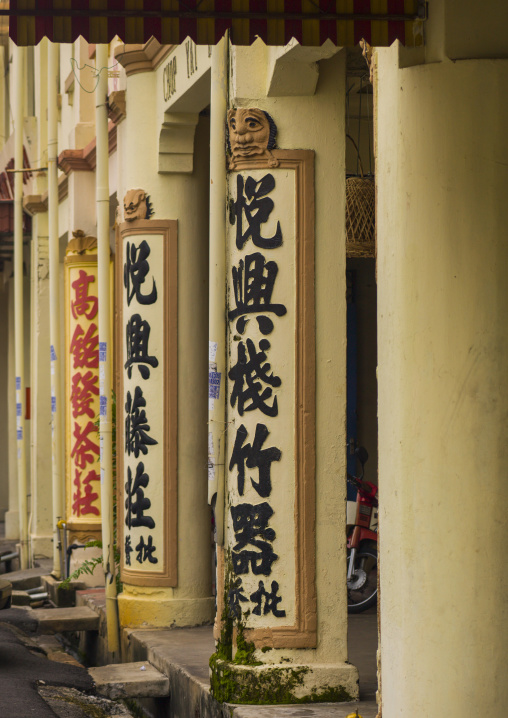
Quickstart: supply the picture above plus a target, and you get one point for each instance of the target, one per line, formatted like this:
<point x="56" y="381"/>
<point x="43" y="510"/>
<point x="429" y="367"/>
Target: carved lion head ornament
<point x="251" y="134"/>
<point x="136" y="205"/>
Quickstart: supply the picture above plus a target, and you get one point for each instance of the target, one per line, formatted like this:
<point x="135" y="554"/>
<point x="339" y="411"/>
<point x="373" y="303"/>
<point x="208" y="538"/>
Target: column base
<point x="277" y="683"/>
<point x="12" y="525"/>
<point x="42" y="546"/>
<point x="155" y="608"/>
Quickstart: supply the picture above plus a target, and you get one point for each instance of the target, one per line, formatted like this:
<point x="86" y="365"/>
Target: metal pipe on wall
<point x="57" y="423"/>
<point x="217" y="284"/>
<point x="105" y="344"/>
<point x="19" y="352"/>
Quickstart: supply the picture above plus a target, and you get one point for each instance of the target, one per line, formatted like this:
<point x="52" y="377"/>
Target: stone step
<point x="130" y="680"/>
<point x="59" y="620"/>
<point x="29" y="577"/>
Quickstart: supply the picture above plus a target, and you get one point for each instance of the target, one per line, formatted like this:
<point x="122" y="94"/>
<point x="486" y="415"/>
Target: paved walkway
<point x="182" y="655"/>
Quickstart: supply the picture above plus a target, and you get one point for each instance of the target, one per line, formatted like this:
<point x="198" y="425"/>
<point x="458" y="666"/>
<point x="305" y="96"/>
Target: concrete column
<point x="4" y="420"/>
<point x="12" y="515"/>
<point x="41" y="529"/>
<point x="443" y="387"/>
<point x="185" y="597"/>
<point x="82" y="209"/>
<point x="41" y="532"/>
<point x="283" y="574"/>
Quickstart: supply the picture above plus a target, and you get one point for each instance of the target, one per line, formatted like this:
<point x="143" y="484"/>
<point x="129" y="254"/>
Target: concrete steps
<point x="130" y="680"/>
<point x="60" y="620"/>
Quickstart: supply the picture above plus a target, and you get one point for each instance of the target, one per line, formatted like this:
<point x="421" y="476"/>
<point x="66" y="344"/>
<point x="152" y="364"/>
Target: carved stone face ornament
<point x="134" y="205"/>
<point x="251" y="134"/>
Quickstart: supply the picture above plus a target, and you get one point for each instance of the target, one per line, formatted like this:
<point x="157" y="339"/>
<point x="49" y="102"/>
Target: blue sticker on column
<point x="103" y="403"/>
<point x="53" y="404"/>
<point x="18" y="383"/>
<point x="213" y="384"/>
<point x="102" y="351"/>
<point x="53" y="353"/>
<point x="20" y="434"/>
<point x="18" y="409"/>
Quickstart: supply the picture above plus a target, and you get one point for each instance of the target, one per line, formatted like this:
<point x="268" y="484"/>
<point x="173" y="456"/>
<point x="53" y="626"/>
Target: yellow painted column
<point x="443" y="388"/>
<point x="41" y="524"/>
<point x="57" y="420"/>
<point x="162" y="305"/>
<point x="282" y="593"/>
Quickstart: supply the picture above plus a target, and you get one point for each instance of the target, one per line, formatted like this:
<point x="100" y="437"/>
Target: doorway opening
<point x="362" y="426"/>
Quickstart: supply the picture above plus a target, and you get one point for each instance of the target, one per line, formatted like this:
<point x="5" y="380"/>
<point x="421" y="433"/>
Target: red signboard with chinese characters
<point x="83" y="500"/>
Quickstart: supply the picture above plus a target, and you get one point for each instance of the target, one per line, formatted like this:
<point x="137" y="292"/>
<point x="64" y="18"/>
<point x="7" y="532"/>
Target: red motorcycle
<point x="362" y="543"/>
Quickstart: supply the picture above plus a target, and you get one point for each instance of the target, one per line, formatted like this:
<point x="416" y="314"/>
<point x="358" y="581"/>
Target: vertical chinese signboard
<point x="146" y="401"/>
<point x="83" y="491"/>
<point x="271" y="397"/>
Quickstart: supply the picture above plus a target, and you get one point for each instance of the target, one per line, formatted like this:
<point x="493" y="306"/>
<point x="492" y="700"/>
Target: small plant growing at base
<point x="90" y="564"/>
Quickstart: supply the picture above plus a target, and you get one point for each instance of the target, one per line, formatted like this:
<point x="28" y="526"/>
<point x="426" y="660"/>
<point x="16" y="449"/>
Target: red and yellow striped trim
<point x="276" y="22"/>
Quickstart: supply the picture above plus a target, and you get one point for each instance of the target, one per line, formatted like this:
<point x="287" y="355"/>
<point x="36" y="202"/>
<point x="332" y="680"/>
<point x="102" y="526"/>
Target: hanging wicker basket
<point x="360" y="214"/>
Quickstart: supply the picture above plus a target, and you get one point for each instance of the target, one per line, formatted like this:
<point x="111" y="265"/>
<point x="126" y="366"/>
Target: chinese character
<point x="136" y="426"/>
<point x="246" y="371"/>
<point x="135" y="271"/>
<point x="136" y="509"/>
<point x="254" y="457"/>
<point x="271" y="600"/>
<point x="145" y="551"/>
<point x="84" y="448"/>
<point x="253" y="292"/>
<point x="235" y="595"/>
<point x="128" y="550"/>
<point x="81" y="305"/>
<point x="250" y="525"/>
<point x="83" y="503"/>
<point x="84" y="388"/>
<point x="257" y="208"/>
<point x="137" y="335"/>
<point x="84" y="348"/>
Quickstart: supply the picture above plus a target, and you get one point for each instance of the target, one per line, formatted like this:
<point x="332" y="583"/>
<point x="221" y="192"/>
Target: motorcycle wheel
<point x="362" y="587"/>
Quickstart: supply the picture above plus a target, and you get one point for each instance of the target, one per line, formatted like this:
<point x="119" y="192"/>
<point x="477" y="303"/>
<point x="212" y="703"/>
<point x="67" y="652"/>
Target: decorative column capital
<point x="117" y="106"/>
<point x="176" y="142"/>
<point x="141" y="58"/>
<point x="34" y="203"/>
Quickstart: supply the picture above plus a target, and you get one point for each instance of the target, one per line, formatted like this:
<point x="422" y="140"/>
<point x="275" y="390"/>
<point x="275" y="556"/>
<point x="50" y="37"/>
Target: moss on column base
<point x="270" y="684"/>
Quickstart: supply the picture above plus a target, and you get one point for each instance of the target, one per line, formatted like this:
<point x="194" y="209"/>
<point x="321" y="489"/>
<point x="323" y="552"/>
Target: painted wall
<point x="443" y="407"/>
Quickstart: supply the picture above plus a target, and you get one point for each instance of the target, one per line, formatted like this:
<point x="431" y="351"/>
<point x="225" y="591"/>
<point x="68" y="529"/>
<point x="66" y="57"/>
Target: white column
<point x="19" y="345"/>
<point x="441" y="220"/>
<point x="54" y="304"/>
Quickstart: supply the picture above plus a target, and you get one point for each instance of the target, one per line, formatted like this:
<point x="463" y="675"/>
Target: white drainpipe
<point x="217" y="279"/>
<point x="105" y="343"/>
<point x="57" y="422"/>
<point x="18" y="303"/>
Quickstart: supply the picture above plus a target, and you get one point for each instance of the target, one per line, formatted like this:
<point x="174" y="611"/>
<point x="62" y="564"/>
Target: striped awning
<point x="311" y="22"/>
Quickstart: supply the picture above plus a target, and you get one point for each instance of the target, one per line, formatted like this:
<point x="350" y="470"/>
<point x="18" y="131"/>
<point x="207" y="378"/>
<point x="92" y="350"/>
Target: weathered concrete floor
<point x="70" y="703"/>
<point x="182" y="655"/>
<point x="120" y="680"/>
